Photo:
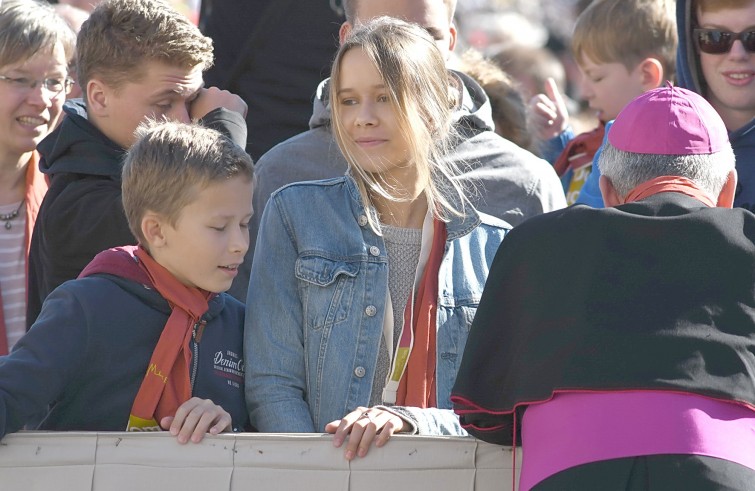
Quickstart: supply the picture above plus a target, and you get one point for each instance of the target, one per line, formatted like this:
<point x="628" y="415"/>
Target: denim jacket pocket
<point x="463" y="309"/>
<point x="327" y="287"/>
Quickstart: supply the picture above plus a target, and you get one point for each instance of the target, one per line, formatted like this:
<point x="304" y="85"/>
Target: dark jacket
<point x="87" y="354"/>
<point x="690" y="77"/>
<point x="82" y="213"/>
<point x="666" y="302"/>
<point x="272" y="53"/>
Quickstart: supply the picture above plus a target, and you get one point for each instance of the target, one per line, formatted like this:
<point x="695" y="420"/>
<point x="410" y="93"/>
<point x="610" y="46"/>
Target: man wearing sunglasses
<point x="716" y="58"/>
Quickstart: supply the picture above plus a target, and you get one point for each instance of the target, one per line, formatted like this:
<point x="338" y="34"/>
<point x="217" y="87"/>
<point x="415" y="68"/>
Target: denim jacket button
<point x="359" y="372"/>
<point x="362" y="220"/>
<point x="371" y="310"/>
<point x="374" y="251"/>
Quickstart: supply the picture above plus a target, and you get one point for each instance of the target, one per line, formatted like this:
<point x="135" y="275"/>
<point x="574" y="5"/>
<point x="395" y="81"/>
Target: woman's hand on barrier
<point x="362" y="426"/>
<point x="196" y="417"/>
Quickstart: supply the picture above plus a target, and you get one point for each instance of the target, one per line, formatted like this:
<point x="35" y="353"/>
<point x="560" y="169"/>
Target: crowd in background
<point x="528" y="40"/>
<point x="290" y="212"/>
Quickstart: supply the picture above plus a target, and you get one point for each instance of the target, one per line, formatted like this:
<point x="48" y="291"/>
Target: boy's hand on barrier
<point x="548" y="113"/>
<point x="362" y="426"/>
<point x="196" y="417"/>
<point x="212" y="98"/>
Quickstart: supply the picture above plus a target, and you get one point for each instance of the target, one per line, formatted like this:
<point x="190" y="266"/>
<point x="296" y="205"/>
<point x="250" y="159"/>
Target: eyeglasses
<point x="53" y="85"/>
<point x="718" y="41"/>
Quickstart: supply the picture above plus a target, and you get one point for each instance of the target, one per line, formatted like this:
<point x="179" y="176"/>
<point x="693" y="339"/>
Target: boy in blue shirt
<point x="145" y="339"/>
<point x="623" y="48"/>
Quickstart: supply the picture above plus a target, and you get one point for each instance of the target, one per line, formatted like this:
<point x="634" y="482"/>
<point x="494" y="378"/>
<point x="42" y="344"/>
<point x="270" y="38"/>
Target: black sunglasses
<point x="718" y="41"/>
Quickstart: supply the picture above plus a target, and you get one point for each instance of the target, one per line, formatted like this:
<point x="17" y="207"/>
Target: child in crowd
<point x="717" y="60"/>
<point x="136" y="59"/>
<point x="363" y="287"/>
<point x="623" y="48"/>
<point x="144" y="339"/>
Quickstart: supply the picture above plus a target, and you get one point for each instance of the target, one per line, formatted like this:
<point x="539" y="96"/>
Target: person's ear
<point x="97" y="97"/>
<point x="726" y="196"/>
<point x="153" y="230"/>
<point x="610" y="195"/>
<point x="452" y="37"/>
<point x="344" y="31"/>
<point x="651" y="73"/>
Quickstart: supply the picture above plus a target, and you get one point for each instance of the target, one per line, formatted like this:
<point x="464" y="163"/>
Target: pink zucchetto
<point x="669" y="121"/>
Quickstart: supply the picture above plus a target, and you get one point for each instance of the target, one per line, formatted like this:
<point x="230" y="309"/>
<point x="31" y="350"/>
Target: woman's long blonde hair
<point x="423" y="95"/>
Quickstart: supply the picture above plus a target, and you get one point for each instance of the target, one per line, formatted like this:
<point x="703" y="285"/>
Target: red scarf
<point x="166" y="384"/>
<point x="580" y="150"/>
<point x="417" y="385"/>
<point x="673" y="184"/>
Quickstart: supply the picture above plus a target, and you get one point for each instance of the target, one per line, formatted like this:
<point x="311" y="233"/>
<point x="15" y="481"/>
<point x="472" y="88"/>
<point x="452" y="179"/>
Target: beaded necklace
<point x="8" y="217"/>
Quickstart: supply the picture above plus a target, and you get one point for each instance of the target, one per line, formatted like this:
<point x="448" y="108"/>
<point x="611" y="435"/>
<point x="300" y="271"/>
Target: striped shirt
<point x="13" y="272"/>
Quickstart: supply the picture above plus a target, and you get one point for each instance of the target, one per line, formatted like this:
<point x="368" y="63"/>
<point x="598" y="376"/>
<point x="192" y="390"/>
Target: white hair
<point x="627" y="170"/>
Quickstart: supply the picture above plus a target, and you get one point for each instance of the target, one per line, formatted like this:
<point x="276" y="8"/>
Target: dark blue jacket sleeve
<point x="230" y="123"/>
<point x="43" y="362"/>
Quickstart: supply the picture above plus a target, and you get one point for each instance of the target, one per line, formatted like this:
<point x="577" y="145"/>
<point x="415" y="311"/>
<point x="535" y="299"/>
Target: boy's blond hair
<point x="170" y="163"/>
<point x="626" y="32"/>
<point x="120" y="36"/>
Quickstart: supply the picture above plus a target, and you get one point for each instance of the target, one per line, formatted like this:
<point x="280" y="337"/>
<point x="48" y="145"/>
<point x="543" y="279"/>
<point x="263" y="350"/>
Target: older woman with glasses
<point x="36" y="46"/>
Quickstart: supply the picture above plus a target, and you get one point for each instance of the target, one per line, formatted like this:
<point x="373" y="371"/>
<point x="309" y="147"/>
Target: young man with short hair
<point x="136" y="59"/>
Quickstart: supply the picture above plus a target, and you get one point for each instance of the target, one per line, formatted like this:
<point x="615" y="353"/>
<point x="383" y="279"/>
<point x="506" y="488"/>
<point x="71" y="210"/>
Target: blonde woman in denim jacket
<point x="364" y="287"/>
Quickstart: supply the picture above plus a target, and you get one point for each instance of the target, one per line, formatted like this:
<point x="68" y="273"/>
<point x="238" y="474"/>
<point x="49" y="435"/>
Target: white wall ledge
<point x="245" y="461"/>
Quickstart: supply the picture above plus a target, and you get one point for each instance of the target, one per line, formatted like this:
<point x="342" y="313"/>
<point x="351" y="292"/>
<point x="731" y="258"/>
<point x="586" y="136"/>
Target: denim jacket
<point x="316" y="301"/>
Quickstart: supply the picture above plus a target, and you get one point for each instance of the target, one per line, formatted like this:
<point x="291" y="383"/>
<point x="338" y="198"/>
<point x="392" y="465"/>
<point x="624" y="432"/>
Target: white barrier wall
<point x="249" y="461"/>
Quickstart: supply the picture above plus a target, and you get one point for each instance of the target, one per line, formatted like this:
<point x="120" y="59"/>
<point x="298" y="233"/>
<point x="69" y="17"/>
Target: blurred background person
<point x="531" y="67"/>
<point x="530" y="40"/>
<point x="506" y="98"/>
<point x="74" y="16"/>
